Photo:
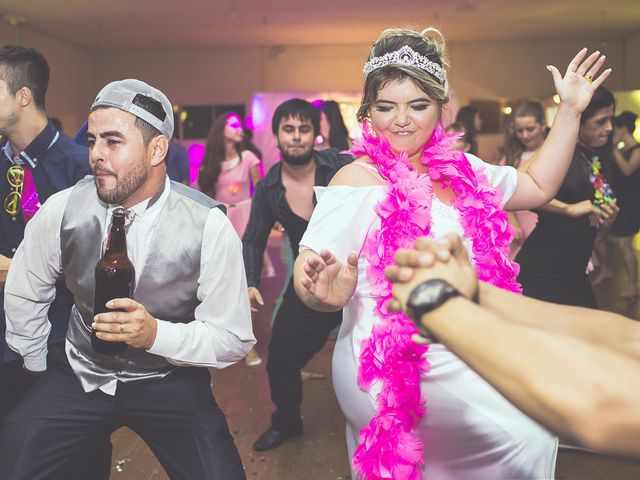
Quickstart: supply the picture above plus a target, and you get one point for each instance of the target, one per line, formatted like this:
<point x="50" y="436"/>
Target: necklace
<point x="603" y="193"/>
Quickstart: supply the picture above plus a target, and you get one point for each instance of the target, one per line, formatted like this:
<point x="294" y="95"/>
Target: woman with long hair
<point x="227" y="173"/>
<point x="529" y="133"/>
<point x="333" y="131"/>
<point x="408" y="182"/>
<point x="526" y="136"/>
<point x="554" y="259"/>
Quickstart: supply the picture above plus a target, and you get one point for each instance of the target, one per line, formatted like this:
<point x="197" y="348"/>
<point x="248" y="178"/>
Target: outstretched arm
<point x="528" y="351"/>
<point x="605" y="329"/>
<point x="575" y="210"/>
<point x="578" y="390"/>
<point x="627" y="167"/>
<point x="539" y="184"/>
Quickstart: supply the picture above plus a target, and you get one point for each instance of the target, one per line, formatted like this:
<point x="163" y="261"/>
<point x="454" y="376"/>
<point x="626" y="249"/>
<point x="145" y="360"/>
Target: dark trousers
<point x="93" y="460"/>
<point x="176" y="416"/>
<point x="298" y="334"/>
<point x="15" y="382"/>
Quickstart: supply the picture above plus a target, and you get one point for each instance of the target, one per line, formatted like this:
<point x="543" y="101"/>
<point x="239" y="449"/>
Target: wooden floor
<point x="243" y="394"/>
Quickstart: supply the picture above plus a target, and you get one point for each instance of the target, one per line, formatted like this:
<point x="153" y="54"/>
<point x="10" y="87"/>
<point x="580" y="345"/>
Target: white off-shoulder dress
<point x="470" y="431"/>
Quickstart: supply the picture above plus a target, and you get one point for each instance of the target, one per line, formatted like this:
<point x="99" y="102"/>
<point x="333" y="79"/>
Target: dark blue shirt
<point x="178" y="163"/>
<point x="56" y="162"/>
<point x="269" y="205"/>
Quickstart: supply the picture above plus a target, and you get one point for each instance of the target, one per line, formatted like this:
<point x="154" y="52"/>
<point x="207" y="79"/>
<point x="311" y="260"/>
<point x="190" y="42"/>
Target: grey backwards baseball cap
<point x="122" y="93"/>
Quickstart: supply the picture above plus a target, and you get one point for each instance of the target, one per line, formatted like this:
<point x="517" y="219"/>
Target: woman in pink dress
<point x="227" y="173"/>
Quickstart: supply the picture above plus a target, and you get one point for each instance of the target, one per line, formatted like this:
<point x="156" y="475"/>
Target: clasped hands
<point x="130" y="323"/>
<point x="445" y="259"/>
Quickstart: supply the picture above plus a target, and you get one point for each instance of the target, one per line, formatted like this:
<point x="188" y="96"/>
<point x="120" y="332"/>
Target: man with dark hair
<point x="189" y="309"/>
<point x="297" y="108"/>
<point x="25" y="67"/>
<point x="36" y="161"/>
<point x="286" y="195"/>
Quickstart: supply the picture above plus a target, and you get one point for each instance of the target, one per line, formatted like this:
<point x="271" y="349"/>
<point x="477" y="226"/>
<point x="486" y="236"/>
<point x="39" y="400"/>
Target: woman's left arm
<point x="542" y="180"/>
<point x="254" y="173"/>
<point x="628" y="167"/>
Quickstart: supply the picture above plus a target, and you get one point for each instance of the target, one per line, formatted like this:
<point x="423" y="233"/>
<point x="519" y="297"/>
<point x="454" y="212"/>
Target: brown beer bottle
<point x="115" y="278"/>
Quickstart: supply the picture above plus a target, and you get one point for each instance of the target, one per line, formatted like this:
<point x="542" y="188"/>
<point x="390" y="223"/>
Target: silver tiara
<point x="405" y="56"/>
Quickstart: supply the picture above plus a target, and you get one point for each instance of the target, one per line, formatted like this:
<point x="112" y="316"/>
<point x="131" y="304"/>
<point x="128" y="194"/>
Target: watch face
<point x="427" y="293"/>
<point x="428" y="296"/>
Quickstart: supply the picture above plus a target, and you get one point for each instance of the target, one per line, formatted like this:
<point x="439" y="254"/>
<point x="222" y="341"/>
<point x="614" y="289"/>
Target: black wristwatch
<point x="428" y="296"/>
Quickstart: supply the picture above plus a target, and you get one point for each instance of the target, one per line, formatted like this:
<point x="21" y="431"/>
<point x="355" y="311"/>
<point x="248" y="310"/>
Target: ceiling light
<point x="13" y="19"/>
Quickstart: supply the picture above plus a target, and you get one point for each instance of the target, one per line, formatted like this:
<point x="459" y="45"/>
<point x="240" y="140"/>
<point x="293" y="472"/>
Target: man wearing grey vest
<point x="189" y="308"/>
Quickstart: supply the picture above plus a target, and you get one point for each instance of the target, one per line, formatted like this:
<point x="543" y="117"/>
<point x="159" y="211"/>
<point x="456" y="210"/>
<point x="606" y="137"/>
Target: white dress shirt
<point x="221" y="333"/>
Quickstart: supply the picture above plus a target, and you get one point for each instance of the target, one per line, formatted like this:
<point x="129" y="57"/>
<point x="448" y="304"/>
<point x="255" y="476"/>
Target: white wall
<point x="632" y="62"/>
<point x="231" y="75"/>
<point x="517" y="69"/>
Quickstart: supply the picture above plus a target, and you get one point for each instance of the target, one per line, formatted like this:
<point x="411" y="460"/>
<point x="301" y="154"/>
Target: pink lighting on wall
<point x="196" y="152"/>
<point x="258" y="114"/>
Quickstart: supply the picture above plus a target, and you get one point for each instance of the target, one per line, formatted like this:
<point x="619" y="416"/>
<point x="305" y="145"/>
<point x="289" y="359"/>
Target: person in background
<point x="286" y="195"/>
<point x="463" y="143"/>
<point x="36" y="161"/>
<point x="333" y="131"/>
<point x="247" y="143"/>
<point x="553" y="260"/>
<point x="625" y="179"/>
<point x="471" y="119"/>
<point x="227" y="173"/>
<point x="178" y="163"/>
<point x="527" y="135"/>
<point x="56" y="123"/>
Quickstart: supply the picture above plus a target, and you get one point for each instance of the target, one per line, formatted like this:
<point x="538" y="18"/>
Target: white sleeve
<point x="341" y="219"/>
<point x="221" y="333"/>
<point x="503" y="177"/>
<point x="31" y="283"/>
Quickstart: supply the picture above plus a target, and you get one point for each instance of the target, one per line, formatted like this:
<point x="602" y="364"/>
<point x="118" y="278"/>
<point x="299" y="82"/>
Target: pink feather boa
<point x="388" y="447"/>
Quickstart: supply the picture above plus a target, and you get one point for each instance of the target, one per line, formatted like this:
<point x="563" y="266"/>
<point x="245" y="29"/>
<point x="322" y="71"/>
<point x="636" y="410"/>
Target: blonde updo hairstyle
<point x="428" y="43"/>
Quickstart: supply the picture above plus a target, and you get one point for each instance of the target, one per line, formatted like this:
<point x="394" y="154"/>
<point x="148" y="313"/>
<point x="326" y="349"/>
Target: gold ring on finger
<point x="121" y="332"/>
<point x="588" y="78"/>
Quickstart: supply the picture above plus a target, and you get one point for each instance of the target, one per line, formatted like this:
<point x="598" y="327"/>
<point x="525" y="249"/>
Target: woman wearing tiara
<point x="415" y="411"/>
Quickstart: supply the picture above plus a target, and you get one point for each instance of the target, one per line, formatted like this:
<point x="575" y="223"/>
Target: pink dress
<point x="234" y="189"/>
